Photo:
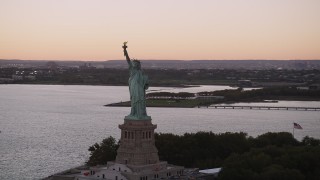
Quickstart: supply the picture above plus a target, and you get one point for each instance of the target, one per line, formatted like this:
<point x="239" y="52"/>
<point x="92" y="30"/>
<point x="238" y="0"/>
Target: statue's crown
<point x="136" y="60"/>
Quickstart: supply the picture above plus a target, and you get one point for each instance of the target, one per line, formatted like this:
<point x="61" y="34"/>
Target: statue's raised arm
<point x="126" y="53"/>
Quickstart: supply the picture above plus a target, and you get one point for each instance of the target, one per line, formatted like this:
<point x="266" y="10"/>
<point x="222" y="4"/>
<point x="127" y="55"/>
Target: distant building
<point x="303" y="88"/>
<point x="17" y="77"/>
<point x="86" y="66"/>
<point x="314" y="87"/>
<point x="310" y="87"/>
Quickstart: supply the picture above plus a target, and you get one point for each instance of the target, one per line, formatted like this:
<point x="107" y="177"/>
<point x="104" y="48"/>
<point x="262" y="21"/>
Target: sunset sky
<point x="163" y="29"/>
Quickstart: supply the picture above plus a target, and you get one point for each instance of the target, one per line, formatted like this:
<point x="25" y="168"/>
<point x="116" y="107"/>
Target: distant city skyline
<point x="183" y="30"/>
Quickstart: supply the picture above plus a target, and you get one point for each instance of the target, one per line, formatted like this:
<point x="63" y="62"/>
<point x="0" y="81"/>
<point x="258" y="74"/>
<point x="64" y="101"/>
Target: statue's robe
<point x="138" y="83"/>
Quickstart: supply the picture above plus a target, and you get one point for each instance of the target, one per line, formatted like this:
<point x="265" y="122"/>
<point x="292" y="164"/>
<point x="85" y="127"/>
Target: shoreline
<point x="171" y="103"/>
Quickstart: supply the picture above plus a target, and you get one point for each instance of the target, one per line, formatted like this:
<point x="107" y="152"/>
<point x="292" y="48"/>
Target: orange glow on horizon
<point x="184" y="30"/>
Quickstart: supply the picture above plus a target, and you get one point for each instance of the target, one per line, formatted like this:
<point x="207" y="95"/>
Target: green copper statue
<point x="138" y="83"/>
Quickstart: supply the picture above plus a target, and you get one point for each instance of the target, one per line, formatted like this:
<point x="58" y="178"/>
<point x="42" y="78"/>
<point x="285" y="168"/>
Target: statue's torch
<point x="125" y="45"/>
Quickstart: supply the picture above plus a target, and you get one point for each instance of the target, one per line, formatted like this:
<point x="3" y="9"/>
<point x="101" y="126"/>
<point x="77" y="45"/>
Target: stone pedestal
<point x="137" y="144"/>
<point x="137" y="156"/>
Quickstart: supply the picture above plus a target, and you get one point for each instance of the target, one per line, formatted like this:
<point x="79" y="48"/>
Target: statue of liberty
<point x="138" y="83"/>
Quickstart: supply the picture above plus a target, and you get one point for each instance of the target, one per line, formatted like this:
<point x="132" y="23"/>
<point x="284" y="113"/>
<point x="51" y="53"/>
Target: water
<point x="46" y="129"/>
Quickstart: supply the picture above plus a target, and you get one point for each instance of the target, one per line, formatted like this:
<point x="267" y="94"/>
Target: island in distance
<point x="176" y="64"/>
<point x="163" y="73"/>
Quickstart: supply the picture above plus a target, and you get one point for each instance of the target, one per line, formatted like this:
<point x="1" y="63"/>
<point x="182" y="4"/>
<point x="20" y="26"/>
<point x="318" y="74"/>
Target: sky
<point x="160" y="30"/>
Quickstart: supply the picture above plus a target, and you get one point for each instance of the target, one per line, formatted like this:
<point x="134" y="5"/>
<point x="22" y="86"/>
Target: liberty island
<point x="137" y="156"/>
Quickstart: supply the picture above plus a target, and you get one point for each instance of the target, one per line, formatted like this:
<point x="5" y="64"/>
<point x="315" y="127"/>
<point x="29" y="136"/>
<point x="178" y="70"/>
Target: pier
<point x="263" y="107"/>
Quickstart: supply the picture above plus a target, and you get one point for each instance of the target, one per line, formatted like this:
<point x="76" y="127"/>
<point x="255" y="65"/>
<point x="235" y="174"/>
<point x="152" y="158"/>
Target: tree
<point x="277" y="139"/>
<point x="103" y="152"/>
<point x="309" y="141"/>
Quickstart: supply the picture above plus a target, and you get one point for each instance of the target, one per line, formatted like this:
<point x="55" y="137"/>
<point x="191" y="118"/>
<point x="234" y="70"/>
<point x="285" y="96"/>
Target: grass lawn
<point x="183" y="103"/>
